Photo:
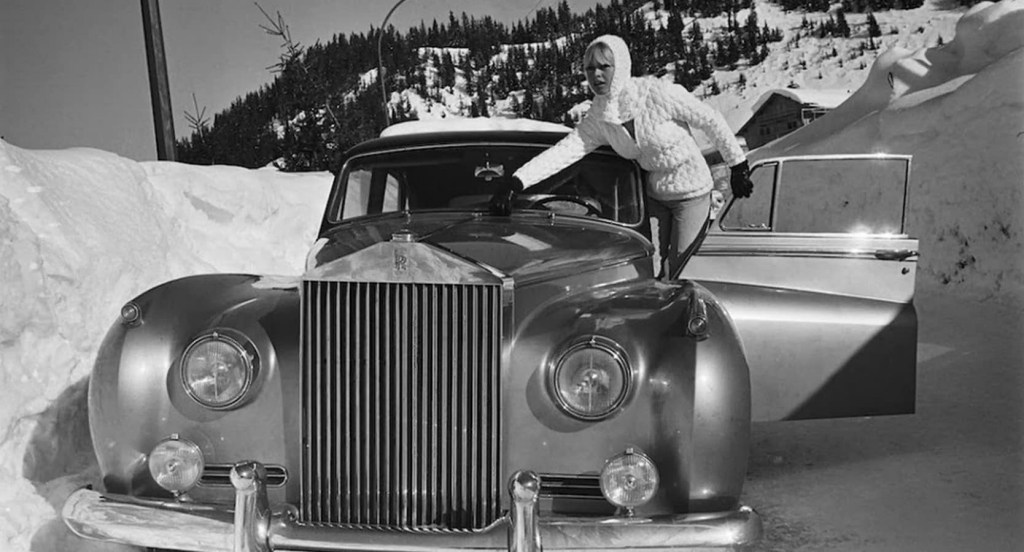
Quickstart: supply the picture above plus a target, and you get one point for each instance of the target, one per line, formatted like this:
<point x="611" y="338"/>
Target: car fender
<point x="689" y="407"/>
<point x="136" y="397"/>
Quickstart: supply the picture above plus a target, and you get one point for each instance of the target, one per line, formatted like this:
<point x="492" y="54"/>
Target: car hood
<point x="525" y="246"/>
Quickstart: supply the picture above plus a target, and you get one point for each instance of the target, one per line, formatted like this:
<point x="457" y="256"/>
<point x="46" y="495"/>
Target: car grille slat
<point x="401" y="401"/>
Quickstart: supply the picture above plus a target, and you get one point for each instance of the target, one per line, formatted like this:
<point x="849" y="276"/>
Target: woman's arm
<point x="684" y="106"/>
<point x="584" y="139"/>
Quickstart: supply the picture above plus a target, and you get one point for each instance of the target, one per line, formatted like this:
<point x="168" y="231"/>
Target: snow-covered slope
<point x="83" y="230"/>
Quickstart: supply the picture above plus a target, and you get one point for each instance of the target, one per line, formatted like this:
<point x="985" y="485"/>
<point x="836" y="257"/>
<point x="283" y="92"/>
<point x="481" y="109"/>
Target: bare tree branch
<point x="198" y="120"/>
<point x="292" y="57"/>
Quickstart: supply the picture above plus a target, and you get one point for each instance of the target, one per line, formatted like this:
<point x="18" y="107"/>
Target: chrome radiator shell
<point x="401" y="354"/>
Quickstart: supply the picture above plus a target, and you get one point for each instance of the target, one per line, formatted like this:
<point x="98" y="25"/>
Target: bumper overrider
<point x="253" y="527"/>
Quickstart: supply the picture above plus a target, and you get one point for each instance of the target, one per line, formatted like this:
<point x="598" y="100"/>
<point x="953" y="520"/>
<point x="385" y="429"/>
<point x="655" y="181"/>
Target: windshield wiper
<point x="448" y="226"/>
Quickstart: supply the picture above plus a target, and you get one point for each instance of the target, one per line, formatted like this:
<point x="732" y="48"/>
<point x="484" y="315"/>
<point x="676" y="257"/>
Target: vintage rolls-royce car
<point x="444" y="378"/>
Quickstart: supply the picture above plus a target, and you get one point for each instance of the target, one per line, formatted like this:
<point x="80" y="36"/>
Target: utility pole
<point x="159" y="86"/>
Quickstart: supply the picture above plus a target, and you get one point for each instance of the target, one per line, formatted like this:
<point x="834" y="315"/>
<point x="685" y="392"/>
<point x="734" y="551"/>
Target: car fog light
<point x="629" y="480"/>
<point x="176" y="464"/>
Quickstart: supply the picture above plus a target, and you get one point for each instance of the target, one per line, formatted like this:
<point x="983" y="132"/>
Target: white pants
<point x="679" y="223"/>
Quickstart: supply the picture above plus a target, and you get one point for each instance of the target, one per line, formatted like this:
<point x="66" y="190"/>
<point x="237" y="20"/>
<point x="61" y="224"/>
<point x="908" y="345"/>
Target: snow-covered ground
<point x="82" y="230"/>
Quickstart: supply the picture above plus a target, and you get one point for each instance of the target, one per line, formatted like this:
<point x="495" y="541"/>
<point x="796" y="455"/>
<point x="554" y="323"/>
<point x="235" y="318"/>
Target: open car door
<point x="818" y="275"/>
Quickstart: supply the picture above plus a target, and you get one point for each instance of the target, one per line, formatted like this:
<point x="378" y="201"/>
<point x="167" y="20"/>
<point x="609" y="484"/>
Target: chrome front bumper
<point x="252" y="527"/>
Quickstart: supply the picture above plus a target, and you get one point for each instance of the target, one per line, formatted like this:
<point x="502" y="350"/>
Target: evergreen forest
<point x="325" y="98"/>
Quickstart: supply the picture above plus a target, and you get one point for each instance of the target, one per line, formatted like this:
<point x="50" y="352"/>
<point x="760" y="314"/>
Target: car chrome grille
<point x="401" y="402"/>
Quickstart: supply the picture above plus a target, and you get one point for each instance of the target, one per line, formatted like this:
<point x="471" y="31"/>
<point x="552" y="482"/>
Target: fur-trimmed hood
<point x="617" y="106"/>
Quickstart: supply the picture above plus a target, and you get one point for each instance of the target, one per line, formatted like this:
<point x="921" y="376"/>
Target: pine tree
<point x="842" y="26"/>
<point x="873" y="28"/>
<point x="466" y="66"/>
<point x="528" y="108"/>
<point x="446" y="73"/>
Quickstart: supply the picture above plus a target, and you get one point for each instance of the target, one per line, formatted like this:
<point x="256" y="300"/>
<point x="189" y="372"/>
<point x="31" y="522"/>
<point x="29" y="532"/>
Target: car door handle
<point x="895" y="254"/>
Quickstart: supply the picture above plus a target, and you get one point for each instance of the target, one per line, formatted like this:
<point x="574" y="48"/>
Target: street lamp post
<point x="380" y="67"/>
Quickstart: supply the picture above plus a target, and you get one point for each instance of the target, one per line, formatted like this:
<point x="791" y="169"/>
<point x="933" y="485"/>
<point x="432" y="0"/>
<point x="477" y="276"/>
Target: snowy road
<point x="947" y="478"/>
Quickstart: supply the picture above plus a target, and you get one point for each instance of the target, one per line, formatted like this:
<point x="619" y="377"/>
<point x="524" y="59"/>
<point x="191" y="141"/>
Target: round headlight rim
<point x="241" y="343"/>
<point x="592" y="341"/>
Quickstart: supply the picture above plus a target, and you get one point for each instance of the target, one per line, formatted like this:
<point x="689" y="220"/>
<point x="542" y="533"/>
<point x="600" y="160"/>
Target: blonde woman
<point x="646" y="119"/>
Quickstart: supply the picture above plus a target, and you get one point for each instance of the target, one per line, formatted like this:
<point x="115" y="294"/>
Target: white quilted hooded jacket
<point x="662" y="115"/>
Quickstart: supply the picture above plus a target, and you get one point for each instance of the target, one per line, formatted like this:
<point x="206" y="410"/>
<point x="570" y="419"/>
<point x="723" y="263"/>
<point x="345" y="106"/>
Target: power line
<point x="535" y="6"/>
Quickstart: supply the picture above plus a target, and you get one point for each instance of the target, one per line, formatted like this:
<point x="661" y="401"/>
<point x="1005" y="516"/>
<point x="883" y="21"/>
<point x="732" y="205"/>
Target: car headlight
<point x="218" y="368"/>
<point x="591" y="378"/>
<point x="176" y="464"/>
<point x="629" y="479"/>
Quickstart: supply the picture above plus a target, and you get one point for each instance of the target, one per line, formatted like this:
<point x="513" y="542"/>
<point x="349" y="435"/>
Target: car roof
<point x="441" y="138"/>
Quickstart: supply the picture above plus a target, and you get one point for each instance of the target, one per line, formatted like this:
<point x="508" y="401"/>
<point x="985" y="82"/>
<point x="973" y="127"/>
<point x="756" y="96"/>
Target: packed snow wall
<point x="82" y="231"/>
<point x="959" y="110"/>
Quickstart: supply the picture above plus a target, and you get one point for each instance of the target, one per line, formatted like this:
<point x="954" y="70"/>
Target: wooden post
<point x="159" y="87"/>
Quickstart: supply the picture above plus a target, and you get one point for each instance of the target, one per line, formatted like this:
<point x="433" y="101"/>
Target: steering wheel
<point x="544" y="201"/>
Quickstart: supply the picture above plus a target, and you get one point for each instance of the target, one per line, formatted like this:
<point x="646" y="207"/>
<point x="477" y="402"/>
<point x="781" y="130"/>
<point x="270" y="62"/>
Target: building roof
<point x="829" y="99"/>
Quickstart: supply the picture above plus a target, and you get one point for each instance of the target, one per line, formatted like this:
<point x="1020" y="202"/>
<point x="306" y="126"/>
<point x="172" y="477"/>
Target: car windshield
<point x="463" y="178"/>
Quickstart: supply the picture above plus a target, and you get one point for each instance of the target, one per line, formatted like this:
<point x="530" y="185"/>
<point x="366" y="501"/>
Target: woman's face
<point x="600" y="68"/>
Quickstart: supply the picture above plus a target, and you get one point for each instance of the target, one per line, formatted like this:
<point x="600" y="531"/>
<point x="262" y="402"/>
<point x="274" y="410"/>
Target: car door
<point x="817" y="272"/>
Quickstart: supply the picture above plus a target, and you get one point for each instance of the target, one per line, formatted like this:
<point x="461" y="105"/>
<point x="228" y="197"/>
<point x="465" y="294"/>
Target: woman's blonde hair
<point x="598" y="51"/>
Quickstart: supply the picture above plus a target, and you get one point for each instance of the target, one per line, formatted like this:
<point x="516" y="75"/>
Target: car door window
<point x="862" y="196"/>
<point x="857" y="194"/>
<point x="754" y="212"/>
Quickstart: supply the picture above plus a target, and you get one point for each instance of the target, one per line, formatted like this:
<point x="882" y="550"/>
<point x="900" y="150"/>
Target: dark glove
<point x="501" y="201"/>
<point x="740" y="180"/>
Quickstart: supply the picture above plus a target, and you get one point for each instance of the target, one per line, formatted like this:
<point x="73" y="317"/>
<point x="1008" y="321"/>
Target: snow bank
<point x="81" y="232"/>
<point x="959" y="110"/>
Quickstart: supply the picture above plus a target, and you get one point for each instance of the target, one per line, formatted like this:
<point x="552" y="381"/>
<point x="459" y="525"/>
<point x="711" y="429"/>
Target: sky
<point x="74" y="73"/>
<point x="151" y="221"/>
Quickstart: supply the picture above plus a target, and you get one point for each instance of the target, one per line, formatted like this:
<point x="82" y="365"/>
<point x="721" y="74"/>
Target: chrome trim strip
<point x="797" y="252"/>
<point x="832" y="156"/>
<point x="583" y="487"/>
<point x="219" y="475"/>
<point x="202" y="528"/>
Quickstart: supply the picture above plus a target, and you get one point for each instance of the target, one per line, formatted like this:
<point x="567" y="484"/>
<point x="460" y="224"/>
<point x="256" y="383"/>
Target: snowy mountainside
<point x="799" y="60"/>
<point x="807" y="62"/>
